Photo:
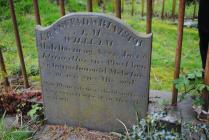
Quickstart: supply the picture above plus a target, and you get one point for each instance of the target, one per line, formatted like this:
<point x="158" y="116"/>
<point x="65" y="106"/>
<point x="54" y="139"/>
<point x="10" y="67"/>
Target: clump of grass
<point x="13" y="133"/>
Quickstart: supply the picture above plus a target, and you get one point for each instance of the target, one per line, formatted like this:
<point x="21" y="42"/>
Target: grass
<point x="13" y="133"/>
<point x="163" y="53"/>
<point x="164" y="41"/>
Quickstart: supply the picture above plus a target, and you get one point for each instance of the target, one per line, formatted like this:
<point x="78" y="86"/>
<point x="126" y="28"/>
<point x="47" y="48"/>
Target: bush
<point x="192" y="84"/>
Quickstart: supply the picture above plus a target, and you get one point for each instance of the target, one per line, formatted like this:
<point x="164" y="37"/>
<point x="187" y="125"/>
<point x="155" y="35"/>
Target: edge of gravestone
<point x="143" y="35"/>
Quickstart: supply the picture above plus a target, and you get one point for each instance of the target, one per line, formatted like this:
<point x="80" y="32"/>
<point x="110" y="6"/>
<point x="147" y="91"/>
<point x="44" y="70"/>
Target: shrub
<point x="192" y="84"/>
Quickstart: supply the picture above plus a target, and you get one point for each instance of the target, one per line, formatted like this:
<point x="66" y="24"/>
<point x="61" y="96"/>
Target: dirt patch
<point x="63" y="132"/>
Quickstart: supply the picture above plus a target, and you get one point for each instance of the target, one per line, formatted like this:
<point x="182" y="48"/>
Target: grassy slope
<point x="164" y="43"/>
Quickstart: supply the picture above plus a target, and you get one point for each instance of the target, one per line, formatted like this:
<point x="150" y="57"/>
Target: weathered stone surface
<point x="94" y="70"/>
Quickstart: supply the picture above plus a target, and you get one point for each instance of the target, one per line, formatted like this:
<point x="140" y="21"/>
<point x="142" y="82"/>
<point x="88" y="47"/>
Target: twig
<point x="127" y="133"/>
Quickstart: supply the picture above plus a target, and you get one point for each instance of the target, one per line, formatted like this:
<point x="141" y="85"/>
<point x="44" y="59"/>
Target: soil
<point x="63" y="132"/>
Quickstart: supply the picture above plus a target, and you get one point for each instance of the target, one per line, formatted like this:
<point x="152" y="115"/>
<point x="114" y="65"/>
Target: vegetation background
<point x="164" y="32"/>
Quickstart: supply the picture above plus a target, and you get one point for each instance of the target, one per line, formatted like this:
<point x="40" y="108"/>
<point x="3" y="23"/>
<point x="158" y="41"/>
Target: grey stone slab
<point x="94" y="70"/>
<point x="183" y="108"/>
<point x="187" y="112"/>
<point x="158" y="100"/>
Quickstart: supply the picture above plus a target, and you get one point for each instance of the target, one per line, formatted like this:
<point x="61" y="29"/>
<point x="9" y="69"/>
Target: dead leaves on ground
<point x="13" y="101"/>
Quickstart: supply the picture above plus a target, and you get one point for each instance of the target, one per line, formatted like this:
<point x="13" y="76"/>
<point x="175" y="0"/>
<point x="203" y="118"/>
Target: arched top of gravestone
<point x="75" y="16"/>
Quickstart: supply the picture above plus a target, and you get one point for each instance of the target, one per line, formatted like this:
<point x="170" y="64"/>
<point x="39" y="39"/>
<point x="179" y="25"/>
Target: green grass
<point x="163" y="53"/>
<point x="164" y="41"/>
<point x="13" y="133"/>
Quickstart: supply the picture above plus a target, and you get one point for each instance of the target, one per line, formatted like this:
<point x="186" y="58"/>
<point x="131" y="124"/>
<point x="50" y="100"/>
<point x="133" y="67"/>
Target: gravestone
<point x="94" y="71"/>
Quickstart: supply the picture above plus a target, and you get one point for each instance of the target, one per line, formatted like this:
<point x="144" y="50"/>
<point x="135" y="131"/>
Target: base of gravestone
<point x="158" y="100"/>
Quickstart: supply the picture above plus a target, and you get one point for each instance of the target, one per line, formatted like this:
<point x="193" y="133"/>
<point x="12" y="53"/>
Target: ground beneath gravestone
<point x="158" y="101"/>
<point x="60" y="132"/>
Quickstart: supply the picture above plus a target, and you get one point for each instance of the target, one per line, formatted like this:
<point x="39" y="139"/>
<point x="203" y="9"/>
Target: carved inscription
<point x="94" y="70"/>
